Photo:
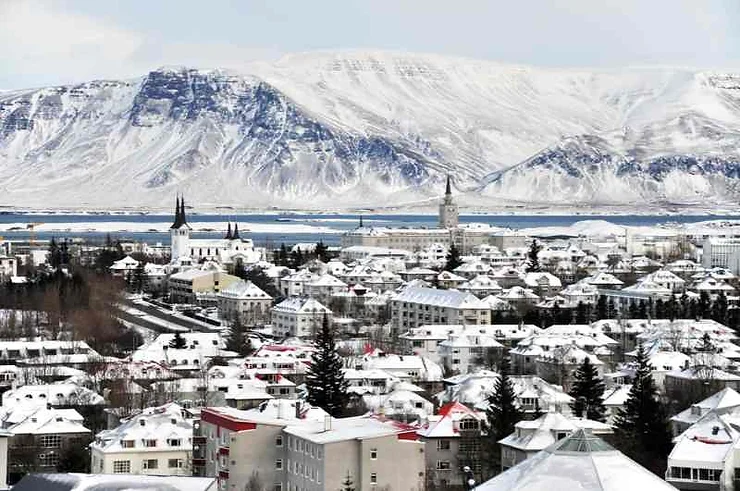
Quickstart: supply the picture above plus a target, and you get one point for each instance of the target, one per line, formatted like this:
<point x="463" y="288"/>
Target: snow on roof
<point x="534" y="280"/>
<point x="165" y="424"/>
<point x="439" y="298"/>
<point x="301" y="305"/>
<point x="242" y="289"/>
<point x="580" y="461"/>
<point x="113" y="482"/>
<point x="60" y="394"/>
<point x="445" y="424"/>
<point x="616" y="396"/>
<point x="518" y="293"/>
<point x="536" y="435"/>
<point x="340" y="429"/>
<point x="723" y="401"/>
<point x="276" y="412"/>
<point x="710" y="441"/>
<point x="44" y="421"/>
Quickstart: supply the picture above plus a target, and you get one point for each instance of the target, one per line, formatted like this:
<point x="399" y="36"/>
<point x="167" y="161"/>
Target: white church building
<point x="186" y="251"/>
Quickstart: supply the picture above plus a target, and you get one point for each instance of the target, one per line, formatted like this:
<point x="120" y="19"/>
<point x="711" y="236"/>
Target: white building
<point x="245" y="300"/>
<point x="417" y="306"/>
<point x="722" y="252"/>
<point x="156" y="441"/>
<point x="298" y="317"/>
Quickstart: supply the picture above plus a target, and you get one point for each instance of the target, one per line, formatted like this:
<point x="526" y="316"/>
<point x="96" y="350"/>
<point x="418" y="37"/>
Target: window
<point x="121" y="466"/>
<point x="278" y="487"/>
<point x="443" y="465"/>
<point x="374" y="478"/>
<point x="279" y="464"/>
<point x="174" y="442"/>
<point x="373" y="453"/>
<point x="127" y="444"/>
<point x="468" y="424"/>
<point x="50" y="459"/>
<point x="150" y="443"/>
<point x="51" y="441"/>
<point x="150" y="464"/>
<point x="174" y="463"/>
<point x="443" y="444"/>
<point x="279" y="441"/>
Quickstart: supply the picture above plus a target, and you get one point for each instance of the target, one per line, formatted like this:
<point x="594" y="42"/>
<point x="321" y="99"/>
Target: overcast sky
<point x="46" y="42"/>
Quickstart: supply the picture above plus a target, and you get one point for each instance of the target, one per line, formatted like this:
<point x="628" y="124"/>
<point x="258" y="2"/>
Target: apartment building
<point x="416" y="306"/>
<point x="290" y="446"/>
<point x="195" y="284"/>
<point x="298" y="317"/>
<point x="245" y="300"/>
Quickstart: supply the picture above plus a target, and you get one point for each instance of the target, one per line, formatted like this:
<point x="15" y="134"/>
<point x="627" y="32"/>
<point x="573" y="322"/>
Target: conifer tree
<point x="588" y="392"/>
<point x="533" y="259"/>
<point x="325" y="381"/>
<point x="237" y="339"/>
<point x="502" y="414"/>
<point x="321" y="251"/>
<point x="641" y="428"/>
<point x="453" y="258"/>
<point x="178" y="342"/>
<point x="348" y="484"/>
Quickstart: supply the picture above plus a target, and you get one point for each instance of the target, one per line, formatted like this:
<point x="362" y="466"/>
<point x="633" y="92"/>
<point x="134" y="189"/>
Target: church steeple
<point x="236" y="231"/>
<point x="228" y="232"/>
<point x="178" y="217"/>
<point x="448" y="190"/>
<point x="182" y="210"/>
<point x="448" y="213"/>
<point x="361" y="225"/>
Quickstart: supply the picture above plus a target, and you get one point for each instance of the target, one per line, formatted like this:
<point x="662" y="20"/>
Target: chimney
<point x="327" y="423"/>
<point x="297" y="409"/>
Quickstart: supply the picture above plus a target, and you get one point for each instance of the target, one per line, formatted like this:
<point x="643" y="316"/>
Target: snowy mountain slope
<point x="344" y="129"/>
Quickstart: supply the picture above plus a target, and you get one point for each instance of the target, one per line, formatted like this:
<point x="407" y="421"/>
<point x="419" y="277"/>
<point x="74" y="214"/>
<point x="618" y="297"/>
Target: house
<point x="323" y="287"/>
<point x="724" y="401"/>
<point x="469" y="348"/>
<point x="581" y="461"/>
<point x="125" y="267"/>
<point x="531" y="437"/>
<point x="39" y="437"/>
<point x="452" y="441"/>
<point x="156" y="441"/>
<point x="298" y="317"/>
<point x="703" y="456"/>
<point x="542" y="284"/>
<point x="245" y="300"/>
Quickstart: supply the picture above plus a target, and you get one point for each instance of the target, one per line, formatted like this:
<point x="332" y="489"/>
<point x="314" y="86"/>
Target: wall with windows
<point x="141" y="461"/>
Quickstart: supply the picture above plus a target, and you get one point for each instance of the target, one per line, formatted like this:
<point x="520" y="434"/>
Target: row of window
<point x="298" y="445"/>
<point x="150" y="443"/>
<point x="124" y="466"/>
<point x="695" y="474"/>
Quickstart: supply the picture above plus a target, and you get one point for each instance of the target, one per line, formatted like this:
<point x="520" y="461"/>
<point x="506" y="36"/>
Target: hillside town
<point x="455" y="357"/>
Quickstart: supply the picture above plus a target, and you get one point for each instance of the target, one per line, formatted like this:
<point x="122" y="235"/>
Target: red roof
<point x="455" y="407"/>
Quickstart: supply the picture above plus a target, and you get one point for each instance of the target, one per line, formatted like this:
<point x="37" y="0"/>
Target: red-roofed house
<point x="452" y="438"/>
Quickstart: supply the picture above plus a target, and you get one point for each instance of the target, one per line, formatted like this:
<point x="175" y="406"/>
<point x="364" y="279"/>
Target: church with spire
<point x="448" y="231"/>
<point x="188" y="252"/>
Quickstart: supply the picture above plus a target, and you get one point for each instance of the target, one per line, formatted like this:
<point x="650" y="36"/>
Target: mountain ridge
<point x="357" y="129"/>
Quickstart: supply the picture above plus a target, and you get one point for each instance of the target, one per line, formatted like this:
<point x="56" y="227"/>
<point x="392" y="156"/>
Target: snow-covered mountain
<point x="351" y="129"/>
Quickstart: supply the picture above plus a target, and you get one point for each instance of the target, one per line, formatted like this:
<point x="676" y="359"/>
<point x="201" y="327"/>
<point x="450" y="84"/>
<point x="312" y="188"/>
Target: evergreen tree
<point x="502" y="414"/>
<point x="178" y="342"/>
<point x="582" y="314"/>
<point x="55" y="254"/>
<point x="321" y="251"/>
<point x="283" y="255"/>
<point x="588" y="392"/>
<point x="453" y="258"/>
<point x="601" y="308"/>
<point x="704" y="305"/>
<point x="348" y="484"/>
<point x="237" y="339"/>
<point x="325" y="381"/>
<point x="533" y="259"/>
<point x="641" y="428"/>
<point x="139" y="277"/>
<point x="719" y="308"/>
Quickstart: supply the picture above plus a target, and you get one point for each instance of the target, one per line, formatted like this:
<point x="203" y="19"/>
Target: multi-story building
<point x="452" y="438"/>
<point x="298" y="316"/>
<point x="40" y="436"/>
<point x="416" y="306"/>
<point x="196" y="285"/>
<point x="721" y="252"/>
<point x="245" y="300"/>
<point x="288" y="446"/>
<point x="157" y="441"/>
